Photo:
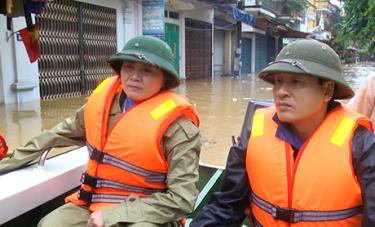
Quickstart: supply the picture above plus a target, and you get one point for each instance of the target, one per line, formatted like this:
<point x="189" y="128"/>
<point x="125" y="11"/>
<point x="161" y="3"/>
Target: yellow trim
<point x="258" y="125"/>
<point x="101" y="86"/>
<point x="342" y="132"/>
<point x="163" y="109"/>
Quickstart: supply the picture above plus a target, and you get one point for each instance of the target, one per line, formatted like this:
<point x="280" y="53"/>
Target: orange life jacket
<point x="319" y="187"/>
<point x="127" y="159"/>
<point x="3" y="147"/>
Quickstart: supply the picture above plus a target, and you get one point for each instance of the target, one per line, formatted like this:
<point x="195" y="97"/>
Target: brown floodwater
<point x="221" y="104"/>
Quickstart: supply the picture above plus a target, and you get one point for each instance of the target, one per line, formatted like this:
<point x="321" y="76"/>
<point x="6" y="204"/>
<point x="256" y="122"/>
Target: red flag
<point x="3" y="147"/>
<point x="31" y="41"/>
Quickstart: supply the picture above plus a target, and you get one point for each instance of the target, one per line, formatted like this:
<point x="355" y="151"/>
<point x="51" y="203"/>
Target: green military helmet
<point x="310" y="57"/>
<point x="149" y="50"/>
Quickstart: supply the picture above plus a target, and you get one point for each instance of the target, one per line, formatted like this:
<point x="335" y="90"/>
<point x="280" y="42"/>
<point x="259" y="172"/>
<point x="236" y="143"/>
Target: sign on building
<point x="153" y="18"/>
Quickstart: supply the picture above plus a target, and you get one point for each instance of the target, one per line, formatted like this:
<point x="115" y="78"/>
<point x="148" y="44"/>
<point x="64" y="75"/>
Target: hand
<point x="96" y="220"/>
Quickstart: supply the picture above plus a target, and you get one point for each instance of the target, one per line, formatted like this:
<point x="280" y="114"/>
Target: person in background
<point x="306" y="160"/>
<point x="364" y="100"/>
<point x="143" y="141"/>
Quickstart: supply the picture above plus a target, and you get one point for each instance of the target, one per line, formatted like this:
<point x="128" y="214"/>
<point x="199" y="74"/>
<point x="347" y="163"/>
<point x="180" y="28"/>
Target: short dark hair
<point x="168" y="81"/>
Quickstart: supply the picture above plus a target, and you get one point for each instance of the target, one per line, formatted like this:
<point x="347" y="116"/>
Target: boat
<point x="28" y="194"/>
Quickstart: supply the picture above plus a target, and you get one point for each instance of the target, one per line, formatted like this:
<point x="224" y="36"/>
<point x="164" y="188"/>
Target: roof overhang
<point x="293" y="34"/>
<point x="283" y="30"/>
<point x="248" y="28"/>
<point x="259" y="11"/>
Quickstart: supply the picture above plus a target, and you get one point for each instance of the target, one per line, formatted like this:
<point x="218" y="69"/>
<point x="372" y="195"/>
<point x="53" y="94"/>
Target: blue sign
<point x="153" y="18"/>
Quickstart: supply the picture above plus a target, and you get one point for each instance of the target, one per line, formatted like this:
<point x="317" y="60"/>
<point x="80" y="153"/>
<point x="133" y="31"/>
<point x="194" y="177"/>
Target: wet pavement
<point x="221" y="104"/>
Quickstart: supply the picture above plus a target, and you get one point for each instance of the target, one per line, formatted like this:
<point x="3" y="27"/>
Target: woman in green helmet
<point x="143" y="141"/>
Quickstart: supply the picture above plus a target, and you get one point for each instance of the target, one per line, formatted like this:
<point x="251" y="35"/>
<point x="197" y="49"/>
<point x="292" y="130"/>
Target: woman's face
<point x="141" y="81"/>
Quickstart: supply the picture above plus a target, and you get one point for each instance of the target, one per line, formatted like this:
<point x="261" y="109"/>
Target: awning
<point x="236" y="13"/>
<point x="285" y="31"/>
<point x="240" y="15"/>
<point x="293" y="34"/>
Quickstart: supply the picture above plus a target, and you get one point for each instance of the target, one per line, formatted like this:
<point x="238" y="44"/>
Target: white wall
<point x="183" y="47"/>
<point x="15" y="65"/>
<point x="1" y="80"/>
<point x="6" y="57"/>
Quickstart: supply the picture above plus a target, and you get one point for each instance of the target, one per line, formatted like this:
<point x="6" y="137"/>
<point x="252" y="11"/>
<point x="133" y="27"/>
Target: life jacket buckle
<point x="97" y="155"/>
<point x="84" y="195"/>
<point x="89" y="180"/>
<point x="286" y="214"/>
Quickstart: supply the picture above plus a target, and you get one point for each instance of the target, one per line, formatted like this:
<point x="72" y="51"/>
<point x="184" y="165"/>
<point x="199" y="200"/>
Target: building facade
<point x="274" y="23"/>
<point x="77" y="37"/>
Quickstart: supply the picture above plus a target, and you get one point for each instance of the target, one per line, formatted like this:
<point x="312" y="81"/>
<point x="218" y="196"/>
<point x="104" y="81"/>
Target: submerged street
<point x="221" y="105"/>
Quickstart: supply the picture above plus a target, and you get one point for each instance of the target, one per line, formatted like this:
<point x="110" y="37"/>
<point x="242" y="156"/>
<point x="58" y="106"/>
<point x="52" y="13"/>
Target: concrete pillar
<point x="253" y="52"/>
<point x="228" y="51"/>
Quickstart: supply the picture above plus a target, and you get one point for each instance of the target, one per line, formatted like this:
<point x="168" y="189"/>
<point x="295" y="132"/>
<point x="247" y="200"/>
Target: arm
<point x="360" y="101"/>
<point x="67" y="133"/>
<point x="363" y="148"/>
<point x="226" y="208"/>
<point x="181" y="143"/>
<point x="364" y="100"/>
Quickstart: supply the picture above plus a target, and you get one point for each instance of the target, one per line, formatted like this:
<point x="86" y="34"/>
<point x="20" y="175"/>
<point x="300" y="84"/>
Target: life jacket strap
<point x="292" y="215"/>
<point x="90" y="197"/>
<point x="96" y="182"/>
<point x="102" y="157"/>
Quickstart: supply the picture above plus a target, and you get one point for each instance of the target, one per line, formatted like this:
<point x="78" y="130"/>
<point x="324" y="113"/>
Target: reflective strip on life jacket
<point x="105" y="158"/>
<point x="163" y="109"/>
<point x="90" y="197"/>
<point x="95" y="182"/>
<point x="293" y="215"/>
<point x="342" y="132"/>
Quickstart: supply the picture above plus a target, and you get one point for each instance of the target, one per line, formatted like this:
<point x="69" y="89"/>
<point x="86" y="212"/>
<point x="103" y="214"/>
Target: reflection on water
<point x="19" y="123"/>
<point x="221" y="104"/>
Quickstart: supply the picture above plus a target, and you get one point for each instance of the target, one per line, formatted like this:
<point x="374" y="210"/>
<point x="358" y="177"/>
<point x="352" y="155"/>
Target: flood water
<point x="221" y="104"/>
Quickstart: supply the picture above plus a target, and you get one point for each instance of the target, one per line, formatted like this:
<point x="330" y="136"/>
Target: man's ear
<point x="329" y="88"/>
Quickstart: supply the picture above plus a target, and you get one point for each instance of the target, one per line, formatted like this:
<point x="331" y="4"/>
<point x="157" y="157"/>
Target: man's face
<point x="141" y="81"/>
<point x="299" y="97"/>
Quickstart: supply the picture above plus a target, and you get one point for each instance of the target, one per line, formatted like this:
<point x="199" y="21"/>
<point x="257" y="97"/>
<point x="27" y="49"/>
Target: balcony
<point x="277" y="8"/>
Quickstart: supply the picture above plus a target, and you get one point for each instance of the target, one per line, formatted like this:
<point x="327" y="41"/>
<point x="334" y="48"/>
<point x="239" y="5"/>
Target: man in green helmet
<point x="143" y="141"/>
<point x="305" y="160"/>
